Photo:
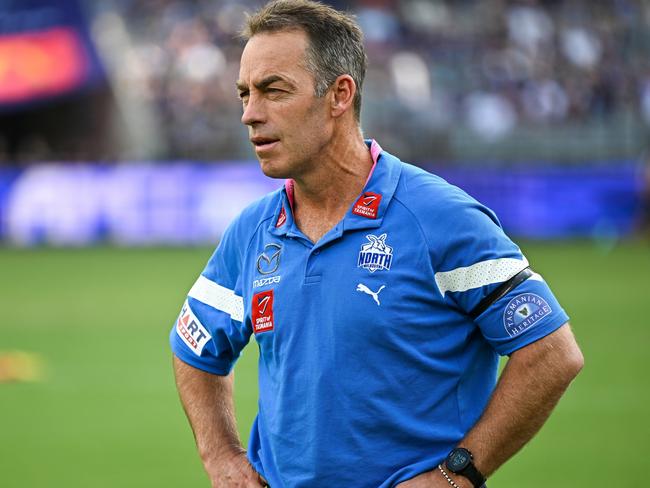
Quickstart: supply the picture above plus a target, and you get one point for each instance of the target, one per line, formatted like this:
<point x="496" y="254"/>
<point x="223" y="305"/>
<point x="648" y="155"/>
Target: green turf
<point x="107" y="415"/>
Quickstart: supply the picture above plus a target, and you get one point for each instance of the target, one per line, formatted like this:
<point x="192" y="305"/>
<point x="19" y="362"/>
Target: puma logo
<point x="375" y="295"/>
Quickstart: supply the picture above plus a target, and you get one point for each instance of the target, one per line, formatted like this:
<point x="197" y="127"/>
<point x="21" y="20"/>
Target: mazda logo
<point x="269" y="261"/>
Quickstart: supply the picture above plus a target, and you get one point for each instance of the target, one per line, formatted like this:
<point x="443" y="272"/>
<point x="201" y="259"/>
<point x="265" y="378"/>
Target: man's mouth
<point x="263" y="143"/>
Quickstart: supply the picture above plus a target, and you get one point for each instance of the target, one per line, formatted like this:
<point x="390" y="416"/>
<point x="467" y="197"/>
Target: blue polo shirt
<point x="371" y="369"/>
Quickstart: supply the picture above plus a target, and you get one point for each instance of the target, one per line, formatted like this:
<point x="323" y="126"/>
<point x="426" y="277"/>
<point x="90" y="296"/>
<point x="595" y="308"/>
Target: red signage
<point x="42" y="63"/>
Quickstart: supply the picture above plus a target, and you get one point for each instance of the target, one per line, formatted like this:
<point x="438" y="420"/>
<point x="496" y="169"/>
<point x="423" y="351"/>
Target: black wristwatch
<point x="460" y="461"/>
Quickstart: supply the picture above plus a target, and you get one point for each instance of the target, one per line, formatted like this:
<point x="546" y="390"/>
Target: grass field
<point x="106" y="413"/>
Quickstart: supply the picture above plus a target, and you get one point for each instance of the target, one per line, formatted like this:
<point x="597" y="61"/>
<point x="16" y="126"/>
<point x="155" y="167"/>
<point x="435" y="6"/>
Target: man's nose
<point x="253" y="111"/>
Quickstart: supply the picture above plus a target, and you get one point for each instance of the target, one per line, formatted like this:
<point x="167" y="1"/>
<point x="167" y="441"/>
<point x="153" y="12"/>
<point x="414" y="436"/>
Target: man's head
<point x="335" y="40"/>
<point x="299" y="82"/>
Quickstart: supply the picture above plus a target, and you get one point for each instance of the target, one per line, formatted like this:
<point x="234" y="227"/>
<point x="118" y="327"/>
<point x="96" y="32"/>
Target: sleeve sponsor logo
<point x="375" y="254"/>
<point x="524" y="311"/>
<point x="262" y="311"/>
<point x="368" y="205"/>
<point x="190" y="329"/>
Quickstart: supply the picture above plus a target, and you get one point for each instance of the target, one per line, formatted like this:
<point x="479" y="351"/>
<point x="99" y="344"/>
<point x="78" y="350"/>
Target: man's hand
<point x="434" y="479"/>
<point x="235" y="472"/>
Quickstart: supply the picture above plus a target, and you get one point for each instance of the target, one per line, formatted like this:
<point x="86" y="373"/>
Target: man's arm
<point x="530" y="385"/>
<point x="208" y="403"/>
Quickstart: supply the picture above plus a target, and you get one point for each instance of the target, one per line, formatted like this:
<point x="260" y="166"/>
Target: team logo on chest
<point x="375" y="254"/>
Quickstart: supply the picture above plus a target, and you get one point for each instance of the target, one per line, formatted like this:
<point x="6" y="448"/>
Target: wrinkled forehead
<point x="281" y="52"/>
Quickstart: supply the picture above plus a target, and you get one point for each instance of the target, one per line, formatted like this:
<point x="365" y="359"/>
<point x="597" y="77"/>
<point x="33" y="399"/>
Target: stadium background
<point x="122" y="159"/>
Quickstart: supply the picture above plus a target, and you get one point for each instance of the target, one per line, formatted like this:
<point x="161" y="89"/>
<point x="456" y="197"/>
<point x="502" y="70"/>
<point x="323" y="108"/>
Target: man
<point x="380" y="296"/>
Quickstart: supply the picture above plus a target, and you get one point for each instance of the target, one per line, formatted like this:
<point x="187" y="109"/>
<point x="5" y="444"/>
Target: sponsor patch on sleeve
<point x="190" y="329"/>
<point x="262" y="311"/>
<point x="524" y="311"/>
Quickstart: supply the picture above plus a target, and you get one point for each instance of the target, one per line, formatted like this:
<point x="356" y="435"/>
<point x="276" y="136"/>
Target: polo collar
<point x="368" y="209"/>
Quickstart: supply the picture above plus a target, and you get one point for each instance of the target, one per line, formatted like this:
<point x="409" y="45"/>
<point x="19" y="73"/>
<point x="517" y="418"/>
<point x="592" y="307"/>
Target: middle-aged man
<point x="380" y="296"/>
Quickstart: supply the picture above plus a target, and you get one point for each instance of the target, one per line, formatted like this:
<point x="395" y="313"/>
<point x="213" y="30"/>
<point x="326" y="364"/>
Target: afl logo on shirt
<point x="375" y="254"/>
<point x="262" y="311"/>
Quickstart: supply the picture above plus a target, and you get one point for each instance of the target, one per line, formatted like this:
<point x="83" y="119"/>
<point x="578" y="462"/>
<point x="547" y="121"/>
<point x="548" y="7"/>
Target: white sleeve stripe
<point x="536" y="277"/>
<point x="479" y="274"/>
<point x="218" y="297"/>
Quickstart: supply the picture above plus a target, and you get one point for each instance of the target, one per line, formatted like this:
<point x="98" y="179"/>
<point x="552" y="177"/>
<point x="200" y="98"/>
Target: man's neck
<point x="323" y="196"/>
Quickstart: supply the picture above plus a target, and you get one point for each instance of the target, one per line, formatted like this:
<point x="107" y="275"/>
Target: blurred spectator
<point x="459" y="76"/>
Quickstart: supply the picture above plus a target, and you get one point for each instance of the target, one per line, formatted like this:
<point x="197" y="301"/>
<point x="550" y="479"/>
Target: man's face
<point x="287" y="124"/>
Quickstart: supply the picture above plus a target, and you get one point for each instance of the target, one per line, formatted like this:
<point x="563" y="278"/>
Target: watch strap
<point x="469" y="471"/>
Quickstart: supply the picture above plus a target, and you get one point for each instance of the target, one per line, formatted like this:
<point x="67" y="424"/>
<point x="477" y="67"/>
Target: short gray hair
<point x="335" y="40"/>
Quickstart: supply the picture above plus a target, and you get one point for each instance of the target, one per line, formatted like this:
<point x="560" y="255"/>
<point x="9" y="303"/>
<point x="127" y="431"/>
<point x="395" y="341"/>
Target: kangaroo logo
<point x="374" y="294"/>
<point x="375" y="254"/>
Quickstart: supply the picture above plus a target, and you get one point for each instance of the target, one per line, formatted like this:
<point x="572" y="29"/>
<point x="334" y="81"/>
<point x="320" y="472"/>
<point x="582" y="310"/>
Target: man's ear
<point x="342" y="95"/>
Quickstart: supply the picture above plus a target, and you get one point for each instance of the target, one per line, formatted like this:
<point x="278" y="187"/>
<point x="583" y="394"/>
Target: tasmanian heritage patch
<point x="523" y="311"/>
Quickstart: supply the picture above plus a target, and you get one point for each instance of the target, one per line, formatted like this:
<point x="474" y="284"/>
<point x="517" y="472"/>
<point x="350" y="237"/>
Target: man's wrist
<point x="460" y="464"/>
<point x="450" y="479"/>
<point x="216" y="460"/>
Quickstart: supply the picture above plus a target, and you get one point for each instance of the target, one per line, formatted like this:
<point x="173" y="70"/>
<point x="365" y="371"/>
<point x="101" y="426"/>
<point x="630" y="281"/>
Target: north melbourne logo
<point x="376" y="254"/>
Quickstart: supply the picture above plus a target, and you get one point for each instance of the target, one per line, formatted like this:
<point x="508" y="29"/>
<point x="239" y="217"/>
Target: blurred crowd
<point x="442" y="73"/>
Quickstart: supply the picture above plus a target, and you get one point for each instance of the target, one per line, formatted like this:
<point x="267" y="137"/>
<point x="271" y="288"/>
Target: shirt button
<point x="316" y="252"/>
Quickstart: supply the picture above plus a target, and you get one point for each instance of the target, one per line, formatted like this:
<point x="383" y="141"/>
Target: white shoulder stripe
<point x="479" y="274"/>
<point x="218" y="297"/>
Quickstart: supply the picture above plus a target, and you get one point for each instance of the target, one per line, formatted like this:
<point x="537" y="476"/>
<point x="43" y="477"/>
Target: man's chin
<point x="274" y="169"/>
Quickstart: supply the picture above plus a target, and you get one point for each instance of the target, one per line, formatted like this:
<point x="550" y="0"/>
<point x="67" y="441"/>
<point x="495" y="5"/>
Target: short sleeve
<point x="473" y="259"/>
<point x="210" y="332"/>
<point x="527" y="313"/>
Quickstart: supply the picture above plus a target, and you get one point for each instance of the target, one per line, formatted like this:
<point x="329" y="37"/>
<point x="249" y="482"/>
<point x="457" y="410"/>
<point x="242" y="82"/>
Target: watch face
<point x="458" y="460"/>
